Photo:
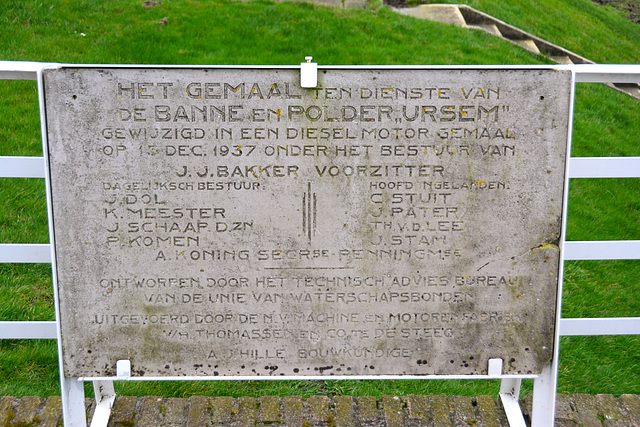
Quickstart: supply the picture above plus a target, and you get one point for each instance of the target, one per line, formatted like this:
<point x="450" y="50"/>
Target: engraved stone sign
<point x="220" y="221"/>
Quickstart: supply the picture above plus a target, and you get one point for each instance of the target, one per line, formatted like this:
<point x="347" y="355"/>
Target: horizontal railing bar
<point x="573" y="250"/>
<point x="602" y="250"/>
<point x="21" y="167"/>
<point x="38" y="253"/>
<point x="591" y="73"/>
<point x="19" y="70"/>
<point x="607" y="73"/>
<point x="28" y="330"/>
<point x="568" y="327"/>
<point x="603" y="326"/>
<point x="604" y="167"/>
<point x="579" y="167"/>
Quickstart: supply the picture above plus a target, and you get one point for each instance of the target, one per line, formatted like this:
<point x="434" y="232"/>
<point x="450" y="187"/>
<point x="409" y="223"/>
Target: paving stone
<point x="464" y="411"/>
<point x="368" y="409"/>
<point x="6" y="409"/>
<point x="631" y="406"/>
<point x="198" y="412"/>
<point x="222" y="409"/>
<point x="441" y="410"/>
<point x="565" y="415"/>
<point x="26" y="411"/>
<point x="269" y="409"/>
<point x="318" y="407"/>
<point x="488" y="410"/>
<point x="175" y="412"/>
<point x="586" y="410"/>
<point x="417" y="407"/>
<point x="148" y="413"/>
<point x="610" y="412"/>
<point x="123" y="411"/>
<point x="393" y="411"/>
<point x="247" y="411"/>
<point x="51" y="413"/>
<point x="292" y="411"/>
<point x="344" y="411"/>
<point x="341" y="411"/>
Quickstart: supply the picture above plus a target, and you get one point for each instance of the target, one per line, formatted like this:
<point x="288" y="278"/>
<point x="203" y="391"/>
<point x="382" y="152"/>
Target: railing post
<point x="73" y="410"/>
<point x="543" y="409"/>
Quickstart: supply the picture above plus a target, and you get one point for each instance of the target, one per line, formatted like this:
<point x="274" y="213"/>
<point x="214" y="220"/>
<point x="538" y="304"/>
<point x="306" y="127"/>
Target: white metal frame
<point x="544" y="385"/>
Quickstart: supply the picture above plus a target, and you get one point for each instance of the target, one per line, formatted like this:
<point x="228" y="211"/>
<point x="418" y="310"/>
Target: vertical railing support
<point x="510" y="397"/>
<point x="74" y="412"/>
<point x="544" y="397"/>
<point x="105" y="396"/>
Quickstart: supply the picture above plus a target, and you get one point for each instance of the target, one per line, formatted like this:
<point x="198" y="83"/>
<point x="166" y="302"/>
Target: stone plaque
<point x="229" y="222"/>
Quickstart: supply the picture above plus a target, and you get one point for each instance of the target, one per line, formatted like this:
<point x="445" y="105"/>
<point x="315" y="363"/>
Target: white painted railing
<point x="544" y="401"/>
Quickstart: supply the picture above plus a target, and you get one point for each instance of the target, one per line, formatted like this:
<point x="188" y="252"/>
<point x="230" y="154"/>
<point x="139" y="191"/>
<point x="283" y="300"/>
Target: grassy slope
<point x="121" y="31"/>
<point x="596" y="32"/>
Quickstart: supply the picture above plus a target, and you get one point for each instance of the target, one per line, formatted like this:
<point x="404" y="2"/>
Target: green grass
<point x="596" y="32"/>
<point x="222" y="32"/>
<point x="218" y="32"/>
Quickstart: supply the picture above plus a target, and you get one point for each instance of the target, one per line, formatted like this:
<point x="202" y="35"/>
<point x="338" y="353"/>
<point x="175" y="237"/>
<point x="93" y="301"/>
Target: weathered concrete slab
<point x="228" y="222"/>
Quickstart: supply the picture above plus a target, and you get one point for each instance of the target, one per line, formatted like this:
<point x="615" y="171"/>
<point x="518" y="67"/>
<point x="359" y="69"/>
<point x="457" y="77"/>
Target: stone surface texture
<point x="346" y="411"/>
<point x="229" y="222"/>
